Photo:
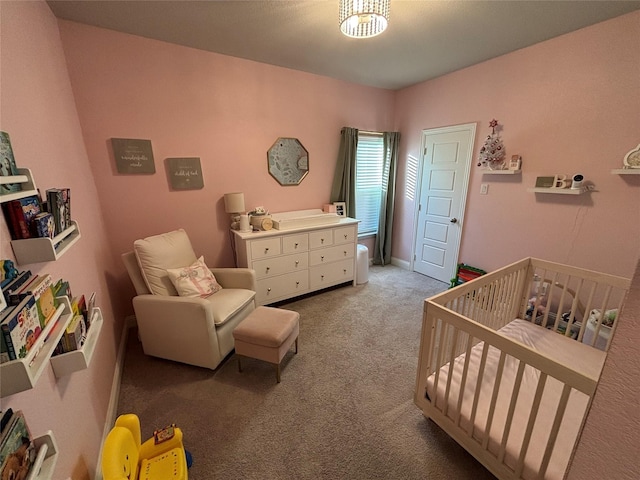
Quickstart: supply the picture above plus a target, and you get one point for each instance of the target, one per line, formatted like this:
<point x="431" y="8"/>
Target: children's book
<point x="17" y="452"/>
<point x="21" y="328"/>
<point x="7" y="164"/>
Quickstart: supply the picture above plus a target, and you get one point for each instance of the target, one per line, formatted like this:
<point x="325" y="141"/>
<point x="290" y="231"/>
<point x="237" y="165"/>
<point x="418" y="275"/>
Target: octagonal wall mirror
<point x="288" y="161"/>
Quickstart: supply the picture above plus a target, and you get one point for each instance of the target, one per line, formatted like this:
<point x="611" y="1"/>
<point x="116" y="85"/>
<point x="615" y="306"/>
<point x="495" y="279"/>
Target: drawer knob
<point x="268" y="289"/>
<point x="345" y="236"/>
<point x="322" y="240"/>
<point x="268" y="268"/>
<point x="297" y="284"/>
<point x="297" y="262"/>
<point x="266" y="250"/>
<point x="321" y="277"/>
<point x="345" y="253"/>
<point x="295" y="246"/>
<point x="322" y="258"/>
<point x="345" y="271"/>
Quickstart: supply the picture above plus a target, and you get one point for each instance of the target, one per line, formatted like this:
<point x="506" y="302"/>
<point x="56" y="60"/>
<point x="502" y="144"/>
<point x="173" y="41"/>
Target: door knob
<point x="454" y="220"/>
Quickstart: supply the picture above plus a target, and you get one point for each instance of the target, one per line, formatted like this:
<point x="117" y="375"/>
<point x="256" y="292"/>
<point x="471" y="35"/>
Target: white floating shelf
<point x="44" y="471"/>
<point x="35" y="250"/>
<point x="501" y="172"/>
<point x="23" y="373"/>
<point x="67" y="363"/>
<point x="27" y="187"/>
<point x="626" y="171"/>
<point x="558" y="191"/>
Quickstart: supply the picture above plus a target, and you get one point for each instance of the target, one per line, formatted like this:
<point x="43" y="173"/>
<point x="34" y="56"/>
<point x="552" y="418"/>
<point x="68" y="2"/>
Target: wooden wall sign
<point x="185" y="173"/>
<point x="133" y="155"/>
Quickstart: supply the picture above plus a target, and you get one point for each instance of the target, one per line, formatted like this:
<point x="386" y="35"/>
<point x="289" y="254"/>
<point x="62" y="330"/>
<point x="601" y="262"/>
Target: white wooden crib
<point x="509" y="362"/>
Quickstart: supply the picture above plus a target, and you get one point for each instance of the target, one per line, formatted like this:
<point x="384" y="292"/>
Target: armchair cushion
<point x="227" y="302"/>
<point x="196" y="280"/>
<point x="157" y="254"/>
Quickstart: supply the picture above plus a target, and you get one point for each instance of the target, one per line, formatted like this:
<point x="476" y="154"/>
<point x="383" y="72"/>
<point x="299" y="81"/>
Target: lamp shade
<point x="234" y="202"/>
<point x="363" y="18"/>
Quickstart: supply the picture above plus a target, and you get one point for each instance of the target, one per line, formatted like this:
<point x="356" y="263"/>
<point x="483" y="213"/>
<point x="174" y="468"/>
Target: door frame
<point x="471" y="128"/>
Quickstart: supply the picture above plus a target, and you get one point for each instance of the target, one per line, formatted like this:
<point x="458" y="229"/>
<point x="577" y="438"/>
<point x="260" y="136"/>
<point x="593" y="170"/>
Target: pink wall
<point x="38" y="111"/>
<point x="567" y="105"/>
<point x="225" y="110"/>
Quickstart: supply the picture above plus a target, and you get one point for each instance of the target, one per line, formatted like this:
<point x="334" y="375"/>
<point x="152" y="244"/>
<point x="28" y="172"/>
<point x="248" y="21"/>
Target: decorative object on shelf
<point x="576" y="181"/>
<point x="185" y="173"/>
<point x="632" y="158"/>
<point x="561" y="181"/>
<point x="492" y="152"/>
<point x="544" y="182"/>
<point x="515" y="163"/>
<point x="260" y="219"/>
<point x="7" y="164"/>
<point x="288" y="161"/>
<point x="234" y="205"/>
<point x="133" y="155"/>
<point x="363" y="19"/>
<point x="341" y="208"/>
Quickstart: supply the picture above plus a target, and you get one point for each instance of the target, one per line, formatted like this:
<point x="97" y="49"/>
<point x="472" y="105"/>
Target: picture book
<point x="18" y="294"/>
<point x="43" y="225"/>
<point x="16" y="284"/>
<point x="17" y="452"/>
<point x="7" y="164"/>
<point x="75" y="334"/>
<point x="59" y="205"/>
<point x="42" y="290"/>
<point x="19" y="215"/>
<point x="21" y="328"/>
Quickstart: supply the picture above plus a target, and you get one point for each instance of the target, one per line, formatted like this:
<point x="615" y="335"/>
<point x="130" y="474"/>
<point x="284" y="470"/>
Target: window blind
<point x="369" y="161"/>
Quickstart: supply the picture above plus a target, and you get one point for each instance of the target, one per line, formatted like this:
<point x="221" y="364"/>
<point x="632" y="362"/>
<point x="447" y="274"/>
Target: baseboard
<point x="112" y="409"/>
<point x="400" y="263"/>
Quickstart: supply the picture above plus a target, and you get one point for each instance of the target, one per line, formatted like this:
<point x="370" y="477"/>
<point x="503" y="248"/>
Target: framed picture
<point x="341" y="208"/>
<point x="133" y="155"/>
<point x="515" y="163"/>
<point x="185" y="173"/>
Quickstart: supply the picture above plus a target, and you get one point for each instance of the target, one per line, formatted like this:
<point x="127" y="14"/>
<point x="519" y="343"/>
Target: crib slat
<point x="532" y="420"/>
<point x="512" y="409"/>
<point x="553" y="435"/>
<point x="476" y="396"/>
<point x="463" y="381"/>
<point x="452" y="358"/>
<point x="494" y="398"/>
<point x="440" y="354"/>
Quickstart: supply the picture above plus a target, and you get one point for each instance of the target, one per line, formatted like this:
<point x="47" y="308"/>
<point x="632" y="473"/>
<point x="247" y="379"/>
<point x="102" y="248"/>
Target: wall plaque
<point x="133" y="155"/>
<point x="185" y="173"/>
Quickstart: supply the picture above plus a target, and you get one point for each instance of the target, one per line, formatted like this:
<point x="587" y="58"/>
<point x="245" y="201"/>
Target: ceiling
<point x="425" y="39"/>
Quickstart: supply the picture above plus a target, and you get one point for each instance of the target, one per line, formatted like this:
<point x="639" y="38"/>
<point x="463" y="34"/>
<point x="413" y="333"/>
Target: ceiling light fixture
<point x="363" y="18"/>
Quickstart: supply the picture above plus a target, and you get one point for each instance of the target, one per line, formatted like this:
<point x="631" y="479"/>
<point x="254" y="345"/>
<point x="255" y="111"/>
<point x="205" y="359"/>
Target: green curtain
<point x="344" y="179"/>
<point x="382" y="249"/>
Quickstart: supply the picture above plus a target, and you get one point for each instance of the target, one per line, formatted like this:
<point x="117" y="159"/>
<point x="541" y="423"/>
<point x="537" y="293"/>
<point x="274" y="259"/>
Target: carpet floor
<point x="344" y="408"/>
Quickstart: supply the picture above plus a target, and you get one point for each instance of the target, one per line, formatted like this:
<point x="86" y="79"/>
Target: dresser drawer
<point x="271" y="289"/>
<point x="332" y="274"/>
<point x="321" y="238"/>
<point x="282" y="264"/>
<point x="267" y="247"/>
<point x="345" y="235"/>
<point x="295" y="243"/>
<point x="331" y="254"/>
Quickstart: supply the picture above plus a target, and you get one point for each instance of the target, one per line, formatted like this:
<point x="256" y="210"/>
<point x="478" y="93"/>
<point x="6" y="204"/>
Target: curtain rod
<point x="370" y="133"/>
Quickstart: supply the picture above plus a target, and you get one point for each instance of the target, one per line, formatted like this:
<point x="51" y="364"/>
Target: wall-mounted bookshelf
<point x="559" y="191"/>
<point x="45" y="249"/>
<point x="626" y="171"/>
<point x="23" y="373"/>
<point x="27" y="185"/>
<point x="501" y="172"/>
<point x="46" y="458"/>
<point x="67" y="363"/>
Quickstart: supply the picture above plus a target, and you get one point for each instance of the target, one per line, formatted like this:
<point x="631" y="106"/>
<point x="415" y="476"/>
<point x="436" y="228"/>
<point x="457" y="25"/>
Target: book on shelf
<point x="43" y="225"/>
<point x="18" y="294"/>
<point x="21" y="328"/>
<point x="7" y="164"/>
<point x="19" y="215"/>
<point x="74" y="335"/>
<point x="59" y="205"/>
<point x="91" y="305"/>
<point x="42" y="290"/>
<point x="15" y="284"/>
<point x="17" y="451"/>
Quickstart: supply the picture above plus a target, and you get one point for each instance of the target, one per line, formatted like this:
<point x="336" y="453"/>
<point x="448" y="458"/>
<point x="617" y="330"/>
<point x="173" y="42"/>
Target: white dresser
<point x="293" y="262"/>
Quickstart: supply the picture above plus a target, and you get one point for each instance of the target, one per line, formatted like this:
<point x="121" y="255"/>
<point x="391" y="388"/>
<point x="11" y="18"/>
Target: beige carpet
<point x="344" y="409"/>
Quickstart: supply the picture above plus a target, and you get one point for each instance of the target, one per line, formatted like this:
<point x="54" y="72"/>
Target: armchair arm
<point x="149" y="449"/>
<point x="235" y="277"/>
<point x="178" y="328"/>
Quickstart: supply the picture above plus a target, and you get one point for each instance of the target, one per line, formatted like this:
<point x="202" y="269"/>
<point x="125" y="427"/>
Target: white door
<point x="442" y="192"/>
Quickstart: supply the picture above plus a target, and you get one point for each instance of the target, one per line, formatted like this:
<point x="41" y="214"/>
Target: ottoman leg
<point x="296" y="345"/>
<point x="239" y="364"/>
<point x="278" y="372"/>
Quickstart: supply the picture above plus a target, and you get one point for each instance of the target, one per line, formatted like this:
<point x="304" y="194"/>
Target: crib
<point x="509" y="362"/>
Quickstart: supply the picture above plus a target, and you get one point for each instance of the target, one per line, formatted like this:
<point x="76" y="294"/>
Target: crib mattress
<point x="562" y="350"/>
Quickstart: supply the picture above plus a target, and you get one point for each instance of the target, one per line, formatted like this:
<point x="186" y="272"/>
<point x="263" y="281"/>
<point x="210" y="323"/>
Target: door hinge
<point x="419" y="207"/>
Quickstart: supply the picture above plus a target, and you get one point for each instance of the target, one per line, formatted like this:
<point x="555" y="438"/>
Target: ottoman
<point x="267" y="334"/>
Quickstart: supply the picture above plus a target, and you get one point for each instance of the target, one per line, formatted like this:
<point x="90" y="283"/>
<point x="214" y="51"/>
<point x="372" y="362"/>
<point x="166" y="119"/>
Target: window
<point x="369" y="181"/>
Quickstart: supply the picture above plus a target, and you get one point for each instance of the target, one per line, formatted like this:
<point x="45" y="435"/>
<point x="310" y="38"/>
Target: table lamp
<point x="234" y="205"/>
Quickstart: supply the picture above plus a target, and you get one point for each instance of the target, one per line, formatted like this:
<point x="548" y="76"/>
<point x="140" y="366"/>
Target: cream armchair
<point x="192" y="330"/>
